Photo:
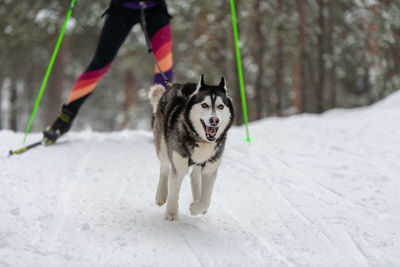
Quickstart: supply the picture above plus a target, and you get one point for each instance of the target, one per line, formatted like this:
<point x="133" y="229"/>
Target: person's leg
<point x="159" y="31"/>
<point x="116" y="28"/>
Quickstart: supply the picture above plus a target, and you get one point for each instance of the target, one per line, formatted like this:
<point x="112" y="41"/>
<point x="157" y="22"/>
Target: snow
<point x="310" y="190"/>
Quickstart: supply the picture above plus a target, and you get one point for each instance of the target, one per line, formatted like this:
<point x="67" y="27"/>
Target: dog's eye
<point x="204" y="105"/>
<point x="221" y="107"/>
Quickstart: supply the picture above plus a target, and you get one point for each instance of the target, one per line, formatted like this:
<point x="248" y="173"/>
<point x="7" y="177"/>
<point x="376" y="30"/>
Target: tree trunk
<point x="29" y="96"/>
<point x="1" y="101"/>
<point x="297" y="86"/>
<point x="13" y="107"/>
<point x="259" y="56"/>
<point x="311" y="83"/>
<point x="331" y="52"/>
<point x="236" y="97"/>
<point x="130" y="92"/>
<point x="279" y="63"/>
<point x="301" y="66"/>
<point x="373" y="51"/>
<point x="321" y="59"/>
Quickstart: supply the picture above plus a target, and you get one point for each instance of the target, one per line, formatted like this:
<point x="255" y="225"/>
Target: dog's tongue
<point x="211" y="131"/>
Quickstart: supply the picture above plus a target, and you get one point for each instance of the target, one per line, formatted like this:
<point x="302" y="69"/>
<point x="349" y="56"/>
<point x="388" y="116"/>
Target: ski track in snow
<point x="311" y="190"/>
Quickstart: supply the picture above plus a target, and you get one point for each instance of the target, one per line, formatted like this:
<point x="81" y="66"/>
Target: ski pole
<point x="46" y="77"/>
<point x="240" y="71"/>
<point x="22" y="150"/>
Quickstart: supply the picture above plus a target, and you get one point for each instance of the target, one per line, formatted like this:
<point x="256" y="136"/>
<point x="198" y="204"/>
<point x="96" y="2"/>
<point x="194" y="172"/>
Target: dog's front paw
<point x="171" y="216"/>
<point x="197" y="207"/>
<point x="161" y="197"/>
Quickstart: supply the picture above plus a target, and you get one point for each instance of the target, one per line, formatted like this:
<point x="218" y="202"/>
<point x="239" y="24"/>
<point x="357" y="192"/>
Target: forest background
<point x="299" y="56"/>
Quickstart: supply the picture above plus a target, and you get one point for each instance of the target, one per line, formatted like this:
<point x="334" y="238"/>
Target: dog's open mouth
<point x="211" y="132"/>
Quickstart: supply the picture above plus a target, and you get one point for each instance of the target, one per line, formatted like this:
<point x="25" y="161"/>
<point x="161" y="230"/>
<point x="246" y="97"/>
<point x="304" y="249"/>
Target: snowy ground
<point x="309" y="191"/>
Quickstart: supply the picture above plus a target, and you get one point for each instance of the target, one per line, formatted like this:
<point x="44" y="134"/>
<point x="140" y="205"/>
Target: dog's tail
<point x="156" y="92"/>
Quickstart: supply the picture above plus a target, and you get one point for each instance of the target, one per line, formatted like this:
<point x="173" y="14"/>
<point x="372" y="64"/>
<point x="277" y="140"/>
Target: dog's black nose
<point x="214" y="121"/>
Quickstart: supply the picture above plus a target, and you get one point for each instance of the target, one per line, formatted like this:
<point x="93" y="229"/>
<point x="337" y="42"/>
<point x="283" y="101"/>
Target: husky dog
<point x="190" y="128"/>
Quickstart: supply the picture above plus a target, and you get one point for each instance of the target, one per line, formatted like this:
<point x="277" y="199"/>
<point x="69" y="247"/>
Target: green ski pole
<point x="46" y="77"/>
<point x="240" y="71"/>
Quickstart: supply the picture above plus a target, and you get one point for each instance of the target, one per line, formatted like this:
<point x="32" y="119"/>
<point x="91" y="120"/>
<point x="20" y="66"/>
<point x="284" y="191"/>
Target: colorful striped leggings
<point x="118" y="24"/>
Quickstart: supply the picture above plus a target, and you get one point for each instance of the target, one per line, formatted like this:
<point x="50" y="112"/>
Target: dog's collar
<point x="191" y="162"/>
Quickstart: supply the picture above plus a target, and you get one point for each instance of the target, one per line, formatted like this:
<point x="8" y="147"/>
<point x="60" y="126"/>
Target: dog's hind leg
<point x="195" y="177"/>
<point x="179" y="169"/>
<point x="208" y="176"/>
<point x="162" y="188"/>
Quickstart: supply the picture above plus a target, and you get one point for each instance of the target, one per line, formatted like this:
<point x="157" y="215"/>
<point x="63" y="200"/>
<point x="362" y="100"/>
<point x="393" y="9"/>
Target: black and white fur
<point x="190" y="128"/>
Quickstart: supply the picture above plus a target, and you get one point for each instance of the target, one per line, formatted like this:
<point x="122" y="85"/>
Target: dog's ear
<point x="222" y="85"/>
<point x="201" y="82"/>
<point x="198" y="86"/>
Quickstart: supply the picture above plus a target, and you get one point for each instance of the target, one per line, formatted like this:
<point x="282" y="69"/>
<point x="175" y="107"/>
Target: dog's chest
<point x="203" y="152"/>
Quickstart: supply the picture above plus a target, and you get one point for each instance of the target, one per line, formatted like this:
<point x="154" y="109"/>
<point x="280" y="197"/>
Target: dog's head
<point x="210" y="111"/>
